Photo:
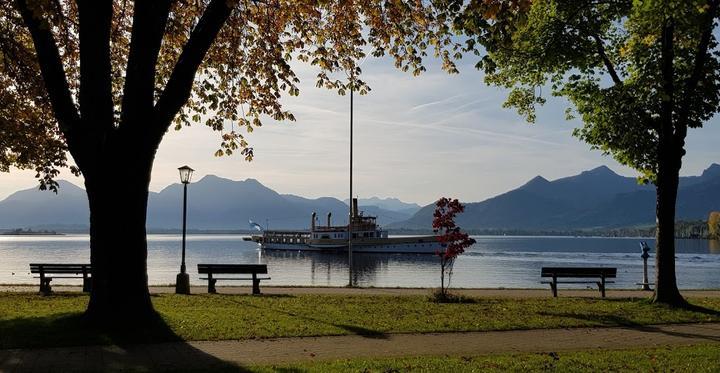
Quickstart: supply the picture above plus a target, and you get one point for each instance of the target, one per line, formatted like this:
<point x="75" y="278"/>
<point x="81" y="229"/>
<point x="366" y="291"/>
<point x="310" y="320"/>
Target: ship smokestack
<point x="354" y="207"/>
<point x="329" y="215"/>
<point x="312" y="223"/>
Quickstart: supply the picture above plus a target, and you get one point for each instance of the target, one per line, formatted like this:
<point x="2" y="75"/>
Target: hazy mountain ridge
<point x="214" y="203"/>
<point x="598" y="198"/>
<point x="389" y="204"/>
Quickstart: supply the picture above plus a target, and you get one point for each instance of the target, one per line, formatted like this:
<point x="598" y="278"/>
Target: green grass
<point x="702" y="358"/>
<point x="29" y="320"/>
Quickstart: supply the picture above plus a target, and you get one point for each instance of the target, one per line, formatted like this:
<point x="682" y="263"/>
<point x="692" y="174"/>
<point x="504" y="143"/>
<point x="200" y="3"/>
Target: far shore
<point x="241" y="232"/>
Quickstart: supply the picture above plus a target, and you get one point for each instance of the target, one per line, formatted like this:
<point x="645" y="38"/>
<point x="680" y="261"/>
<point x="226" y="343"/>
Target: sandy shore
<point x="486" y="293"/>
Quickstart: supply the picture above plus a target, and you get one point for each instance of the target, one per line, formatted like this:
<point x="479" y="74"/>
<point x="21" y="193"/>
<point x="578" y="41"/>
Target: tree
<point x="118" y="74"/>
<point x="638" y="74"/>
<point x="714" y="225"/>
<point x="453" y="240"/>
<point x="28" y="137"/>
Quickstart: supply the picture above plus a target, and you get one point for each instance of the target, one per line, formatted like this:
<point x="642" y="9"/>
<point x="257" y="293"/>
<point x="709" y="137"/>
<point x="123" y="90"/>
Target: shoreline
<point x="474" y="233"/>
<point x="395" y="291"/>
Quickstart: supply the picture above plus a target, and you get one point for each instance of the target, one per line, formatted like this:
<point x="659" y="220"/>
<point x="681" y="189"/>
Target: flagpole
<point x="350" y="261"/>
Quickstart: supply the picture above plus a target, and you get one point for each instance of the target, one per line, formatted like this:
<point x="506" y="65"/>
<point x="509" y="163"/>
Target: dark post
<point x="182" y="284"/>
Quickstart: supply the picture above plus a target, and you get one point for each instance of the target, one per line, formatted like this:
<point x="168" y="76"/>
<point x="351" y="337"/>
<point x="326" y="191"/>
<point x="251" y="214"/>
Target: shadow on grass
<point x="620" y="321"/>
<point x="701" y="309"/>
<point x="351" y="329"/>
<point x="439" y="297"/>
<point x="69" y="342"/>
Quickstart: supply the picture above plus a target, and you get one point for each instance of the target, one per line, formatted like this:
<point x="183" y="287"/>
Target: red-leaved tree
<point x="453" y="240"/>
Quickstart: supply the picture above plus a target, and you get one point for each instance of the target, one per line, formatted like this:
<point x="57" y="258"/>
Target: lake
<point x="494" y="261"/>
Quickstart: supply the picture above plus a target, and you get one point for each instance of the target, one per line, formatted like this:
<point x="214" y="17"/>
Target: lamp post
<point x="182" y="284"/>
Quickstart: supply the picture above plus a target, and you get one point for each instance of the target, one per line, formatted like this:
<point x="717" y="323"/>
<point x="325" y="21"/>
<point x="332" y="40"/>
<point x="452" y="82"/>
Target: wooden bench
<point x="601" y="274"/>
<point x="233" y="269"/>
<point x="49" y="271"/>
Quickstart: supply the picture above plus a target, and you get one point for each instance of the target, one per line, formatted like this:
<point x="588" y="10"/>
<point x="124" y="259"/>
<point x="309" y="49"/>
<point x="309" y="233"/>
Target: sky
<point x="415" y="138"/>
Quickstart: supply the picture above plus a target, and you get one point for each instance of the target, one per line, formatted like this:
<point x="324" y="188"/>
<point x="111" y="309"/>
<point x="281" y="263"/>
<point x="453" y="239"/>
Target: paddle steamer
<point x="367" y="237"/>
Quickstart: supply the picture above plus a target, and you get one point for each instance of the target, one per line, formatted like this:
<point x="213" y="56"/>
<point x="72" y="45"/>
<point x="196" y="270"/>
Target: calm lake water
<point x="512" y="262"/>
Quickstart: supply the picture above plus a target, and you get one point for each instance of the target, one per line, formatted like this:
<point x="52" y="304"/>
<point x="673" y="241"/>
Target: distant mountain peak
<point x="212" y="178"/>
<point x="534" y="182"/>
<point x="601" y="170"/>
<point x="712" y="171"/>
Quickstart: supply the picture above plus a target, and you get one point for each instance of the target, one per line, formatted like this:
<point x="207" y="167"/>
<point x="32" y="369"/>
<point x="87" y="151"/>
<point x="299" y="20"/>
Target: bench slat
<point x="51" y="277"/>
<point x="576" y="282"/>
<point x="236" y="278"/>
<point x="579" y="272"/>
<point x="232" y="268"/>
<point x="65" y="268"/>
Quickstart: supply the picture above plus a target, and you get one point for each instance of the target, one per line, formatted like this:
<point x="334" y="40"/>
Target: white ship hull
<point x="389" y="247"/>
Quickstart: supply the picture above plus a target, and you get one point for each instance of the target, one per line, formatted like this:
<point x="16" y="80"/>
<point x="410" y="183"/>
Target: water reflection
<point x="369" y="269"/>
<point x="714" y="246"/>
<point x="492" y="262"/>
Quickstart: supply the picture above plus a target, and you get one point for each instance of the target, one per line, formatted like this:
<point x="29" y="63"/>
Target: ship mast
<point x="351" y="216"/>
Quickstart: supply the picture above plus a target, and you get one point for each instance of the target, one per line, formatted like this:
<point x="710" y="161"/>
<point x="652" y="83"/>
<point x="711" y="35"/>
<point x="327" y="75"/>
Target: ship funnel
<point x="312" y="223"/>
<point x="329" y="215"/>
<point x="354" y="207"/>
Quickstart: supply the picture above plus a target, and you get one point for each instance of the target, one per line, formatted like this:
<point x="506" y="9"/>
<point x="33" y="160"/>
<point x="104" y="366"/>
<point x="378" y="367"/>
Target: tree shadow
<point x="79" y="345"/>
<point x="352" y="329"/>
<point x="608" y="321"/>
<point x="700" y="309"/>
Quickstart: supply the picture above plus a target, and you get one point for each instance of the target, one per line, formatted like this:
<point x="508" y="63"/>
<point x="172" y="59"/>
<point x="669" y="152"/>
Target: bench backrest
<point x="232" y="268"/>
<point x="579" y="272"/>
<point x="60" y="268"/>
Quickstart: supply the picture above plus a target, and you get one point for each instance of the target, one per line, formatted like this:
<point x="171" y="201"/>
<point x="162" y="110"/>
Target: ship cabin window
<point x="355" y="235"/>
<point x="325" y="236"/>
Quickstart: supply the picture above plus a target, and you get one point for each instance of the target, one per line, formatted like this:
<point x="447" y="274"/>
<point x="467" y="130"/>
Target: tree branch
<point x="667" y="68"/>
<point x="149" y="22"/>
<point x="179" y="86"/>
<point x="96" y="106"/>
<point x="52" y="71"/>
<point x="608" y="64"/>
<point x="692" y="81"/>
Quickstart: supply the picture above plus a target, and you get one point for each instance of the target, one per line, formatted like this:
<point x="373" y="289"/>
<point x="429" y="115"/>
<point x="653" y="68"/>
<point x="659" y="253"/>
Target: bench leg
<point x="45" y="287"/>
<point x="256" y="285"/>
<point x="553" y="287"/>
<point x="87" y="284"/>
<point x="601" y="285"/>
<point x="211" y="286"/>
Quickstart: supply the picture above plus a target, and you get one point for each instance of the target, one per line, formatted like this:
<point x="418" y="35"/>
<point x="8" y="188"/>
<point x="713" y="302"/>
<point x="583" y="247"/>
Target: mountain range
<point x="214" y="203"/>
<point x="594" y="199"/>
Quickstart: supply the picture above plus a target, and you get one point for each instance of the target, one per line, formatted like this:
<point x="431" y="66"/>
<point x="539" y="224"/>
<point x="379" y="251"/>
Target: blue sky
<point x="416" y="138"/>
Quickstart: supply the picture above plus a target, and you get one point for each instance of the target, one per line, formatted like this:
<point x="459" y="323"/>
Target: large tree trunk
<point x="670" y="153"/>
<point x="666" y="290"/>
<point x="118" y="192"/>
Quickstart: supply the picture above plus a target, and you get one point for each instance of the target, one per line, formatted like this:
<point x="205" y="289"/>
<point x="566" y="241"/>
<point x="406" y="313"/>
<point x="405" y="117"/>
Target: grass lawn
<point x="30" y="320"/>
<point x="703" y="358"/>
